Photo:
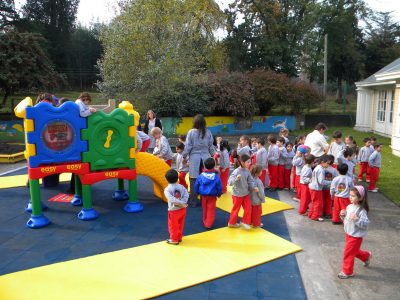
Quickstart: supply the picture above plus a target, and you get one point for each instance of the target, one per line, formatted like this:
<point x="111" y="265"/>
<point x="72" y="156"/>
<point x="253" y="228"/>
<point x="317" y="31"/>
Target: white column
<point x="365" y="101"/>
<point x="396" y="122"/>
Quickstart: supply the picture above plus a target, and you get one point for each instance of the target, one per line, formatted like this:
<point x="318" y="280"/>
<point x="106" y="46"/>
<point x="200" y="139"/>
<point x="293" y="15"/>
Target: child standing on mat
<point x="273" y="161"/>
<point x="162" y="149"/>
<point x="374" y="164"/>
<point x="208" y="186"/>
<point x="261" y="159"/>
<point x="355" y="219"/>
<point x="257" y="198"/>
<point x="305" y="179"/>
<point x="242" y="183"/>
<point x="224" y="164"/>
<point x="181" y="164"/>
<point x="177" y="197"/>
<point x="340" y="192"/>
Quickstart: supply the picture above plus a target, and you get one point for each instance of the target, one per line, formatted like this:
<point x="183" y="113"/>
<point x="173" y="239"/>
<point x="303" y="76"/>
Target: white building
<point x="378" y="104"/>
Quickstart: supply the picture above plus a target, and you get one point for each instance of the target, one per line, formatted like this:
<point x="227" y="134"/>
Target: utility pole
<point x="325" y="68"/>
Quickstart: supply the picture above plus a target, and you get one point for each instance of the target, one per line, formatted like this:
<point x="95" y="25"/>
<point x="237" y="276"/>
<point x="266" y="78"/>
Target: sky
<point x="90" y="11"/>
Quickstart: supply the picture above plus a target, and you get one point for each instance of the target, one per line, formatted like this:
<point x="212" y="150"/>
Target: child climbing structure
<point x="99" y="147"/>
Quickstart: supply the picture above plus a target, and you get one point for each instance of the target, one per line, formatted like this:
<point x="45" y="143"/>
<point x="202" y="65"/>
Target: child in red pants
<point x="374" y="164"/>
<point x="288" y="165"/>
<point x="281" y="162"/>
<point x="340" y="191"/>
<point x="363" y="157"/>
<point x="273" y="162"/>
<point x="355" y="219"/>
<point x="162" y="149"/>
<point x="181" y="164"/>
<point x="298" y="162"/>
<point x="330" y="174"/>
<point x="305" y="179"/>
<point x="242" y="183"/>
<point x="224" y="163"/>
<point x="261" y="159"/>
<point x="208" y="186"/>
<point x="177" y="197"/>
<point x="257" y="198"/>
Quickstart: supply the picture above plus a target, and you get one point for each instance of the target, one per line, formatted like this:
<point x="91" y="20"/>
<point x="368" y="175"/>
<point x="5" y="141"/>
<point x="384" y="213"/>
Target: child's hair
<point x="342" y="169"/>
<point x="45" y="97"/>
<point x="261" y="141"/>
<point x="348" y="152"/>
<point x="297" y="140"/>
<point x="199" y="123"/>
<point x="351" y="138"/>
<point x="246" y="138"/>
<point x="182" y="137"/>
<point x="281" y="140"/>
<point x="377" y="145"/>
<point x="373" y="139"/>
<point x="324" y="158"/>
<point x="367" y="139"/>
<point x="332" y="159"/>
<point x="272" y="139"/>
<point x="209" y="163"/>
<point x="224" y="145"/>
<point x="172" y="176"/>
<point x="243" y="158"/>
<point x="155" y="130"/>
<point x="62" y="100"/>
<point x="253" y="139"/>
<point x="360" y="191"/>
<point x="309" y="159"/>
<point x="283" y="131"/>
<point x="180" y="146"/>
<point x="255" y="170"/>
<point x="85" y="96"/>
<point x="289" y="144"/>
<point x="337" y="134"/>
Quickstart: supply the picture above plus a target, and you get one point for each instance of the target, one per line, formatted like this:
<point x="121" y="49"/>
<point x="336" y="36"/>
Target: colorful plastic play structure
<point x="99" y="147"/>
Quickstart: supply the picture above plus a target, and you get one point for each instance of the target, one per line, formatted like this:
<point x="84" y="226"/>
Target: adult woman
<point x="199" y="146"/>
<point x="151" y="122"/>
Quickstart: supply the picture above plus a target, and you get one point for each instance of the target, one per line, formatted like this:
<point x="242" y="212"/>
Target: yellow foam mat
<point x="20" y="180"/>
<point x="269" y="207"/>
<point x="148" y="271"/>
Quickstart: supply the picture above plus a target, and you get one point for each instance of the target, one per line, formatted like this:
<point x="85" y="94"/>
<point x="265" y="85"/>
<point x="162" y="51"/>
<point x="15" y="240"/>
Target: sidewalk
<point x="323" y="245"/>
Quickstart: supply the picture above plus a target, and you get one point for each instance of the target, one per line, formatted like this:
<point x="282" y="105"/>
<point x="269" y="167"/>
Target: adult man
<point x="316" y="141"/>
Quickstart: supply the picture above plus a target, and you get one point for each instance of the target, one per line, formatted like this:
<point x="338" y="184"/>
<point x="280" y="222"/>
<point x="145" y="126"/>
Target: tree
<point x="8" y="14"/>
<point x="156" y="44"/>
<point x="24" y="65"/>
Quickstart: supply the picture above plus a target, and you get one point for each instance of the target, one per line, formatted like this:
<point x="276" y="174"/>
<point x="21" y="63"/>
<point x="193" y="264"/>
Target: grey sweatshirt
<point x="258" y="197"/>
<point x="282" y="155"/>
<point x="334" y="150"/>
<point x="139" y="142"/>
<point x="375" y="160"/>
<point x="298" y="162"/>
<point x="176" y="194"/>
<point x="330" y="173"/>
<point x="364" y="154"/>
<point x="340" y="186"/>
<point x="305" y="175"/>
<point x="273" y="155"/>
<point x="224" y="161"/>
<point x="350" y="163"/>
<point x="181" y="164"/>
<point x="318" y="179"/>
<point x="289" y="160"/>
<point x="261" y="157"/>
<point x="244" y="185"/>
<point x="244" y="150"/>
<point x="163" y="149"/>
<point x="356" y="228"/>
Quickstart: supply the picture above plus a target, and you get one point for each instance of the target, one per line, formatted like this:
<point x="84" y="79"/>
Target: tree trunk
<point x="339" y="89"/>
<point x="6" y="94"/>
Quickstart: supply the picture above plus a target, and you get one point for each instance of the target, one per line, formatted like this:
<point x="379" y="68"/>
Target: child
<point x="363" y="156"/>
<point x="284" y="133"/>
<point x="297" y="142"/>
<point x="254" y="145"/>
<point x="330" y="173"/>
<point x="181" y="164"/>
<point x="257" y="198"/>
<point x="242" y="183"/>
<point x="336" y="146"/>
<point x="298" y="162"/>
<point x="145" y="139"/>
<point x="177" y="197"/>
<point x="182" y="138"/>
<point x="374" y="164"/>
<point x="355" y="219"/>
<point x="288" y="166"/>
<point x="371" y="150"/>
<point x="261" y="159"/>
<point x="346" y="156"/>
<point x="162" y="149"/>
<point x="244" y="146"/>
<point x="62" y="100"/>
<point x="305" y="179"/>
<point x="45" y="97"/>
<point x="281" y="162"/>
<point x="208" y="186"/>
<point x="315" y="186"/>
<point x="218" y="140"/>
<point x="349" y="141"/>
<point x="273" y="160"/>
<point x="83" y="101"/>
<point x="224" y="164"/>
<point x="340" y="189"/>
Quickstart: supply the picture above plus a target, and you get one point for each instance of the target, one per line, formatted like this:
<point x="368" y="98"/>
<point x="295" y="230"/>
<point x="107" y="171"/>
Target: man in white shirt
<point x="316" y="141"/>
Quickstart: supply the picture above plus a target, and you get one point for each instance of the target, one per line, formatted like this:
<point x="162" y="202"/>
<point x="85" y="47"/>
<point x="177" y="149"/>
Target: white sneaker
<point x="368" y="261"/>
<point x="245" y="226"/>
<point x="373" y="191"/>
<point x="320" y="219"/>
<point x="237" y="225"/>
<point x="360" y="180"/>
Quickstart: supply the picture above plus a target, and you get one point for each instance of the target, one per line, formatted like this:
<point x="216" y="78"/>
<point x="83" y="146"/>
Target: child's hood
<point x="208" y="178"/>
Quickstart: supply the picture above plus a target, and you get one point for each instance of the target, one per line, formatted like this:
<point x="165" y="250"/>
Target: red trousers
<point x="182" y="179"/>
<point x="335" y="166"/>
<point x="297" y="186"/>
<point x="216" y="158"/>
<point x="254" y="159"/>
<point x="169" y="162"/>
<point x="237" y="203"/>
<point x="208" y="203"/>
<point x="373" y="177"/>
<point x="305" y="198"/>
<point x="273" y="176"/>
<point x="286" y="178"/>
<point x="327" y="203"/>
<point x="256" y="212"/>
<point x="316" y="204"/>
<point x="145" y="145"/>
<point x="293" y="177"/>
<point x="224" y="175"/>
<point x="263" y="176"/>
<point x="281" y="176"/>
<point x="338" y="204"/>
<point x="363" y="170"/>
<point x="176" y="221"/>
<point x="352" y="249"/>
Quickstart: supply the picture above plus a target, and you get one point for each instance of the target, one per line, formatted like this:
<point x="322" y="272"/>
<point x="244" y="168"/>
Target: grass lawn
<point x="389" y="177"/>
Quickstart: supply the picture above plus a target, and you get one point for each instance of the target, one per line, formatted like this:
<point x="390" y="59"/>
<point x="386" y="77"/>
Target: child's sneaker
<point x="360" y="180"/>
<point x="341" y="275"/>
<point x="373" y="191"/>
<point x="245" y="226"/>
<point x="296" y="199"/>
<point x="320" y="219"/>
<point x="237" y="225"/>
<point x="368" y="261"/>
<point x="171" y="242"/>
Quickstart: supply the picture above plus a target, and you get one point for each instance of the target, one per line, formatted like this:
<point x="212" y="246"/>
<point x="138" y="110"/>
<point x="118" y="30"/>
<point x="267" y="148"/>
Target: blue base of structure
<point x="77" y="200"/>
<point x="121" y="195"/>
<point x="37" y="222"/>
<point x="133" y="207"/>
<point x="28" y="207"/>
<point x="87" y="214"/>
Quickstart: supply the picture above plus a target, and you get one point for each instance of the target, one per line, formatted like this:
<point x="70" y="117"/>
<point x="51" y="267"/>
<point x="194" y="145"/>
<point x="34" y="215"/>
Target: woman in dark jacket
<point x="151" y="122"/>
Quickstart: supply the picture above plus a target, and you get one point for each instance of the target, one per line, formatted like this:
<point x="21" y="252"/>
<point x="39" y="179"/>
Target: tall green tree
<point x="8" y="14"/>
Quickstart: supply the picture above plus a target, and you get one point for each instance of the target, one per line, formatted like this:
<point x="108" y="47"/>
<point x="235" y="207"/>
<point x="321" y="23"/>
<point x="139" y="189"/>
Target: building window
<point x="381" y="114"/>
<point x="391" y="107"/>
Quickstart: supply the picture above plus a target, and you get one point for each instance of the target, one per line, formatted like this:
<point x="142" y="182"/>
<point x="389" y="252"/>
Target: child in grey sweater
<point x="162" y="149"/>
<point x="257" y="198"/>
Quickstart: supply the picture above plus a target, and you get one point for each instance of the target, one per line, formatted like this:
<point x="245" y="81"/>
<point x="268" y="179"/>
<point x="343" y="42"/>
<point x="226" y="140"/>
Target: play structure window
<point x="58" y="135"/>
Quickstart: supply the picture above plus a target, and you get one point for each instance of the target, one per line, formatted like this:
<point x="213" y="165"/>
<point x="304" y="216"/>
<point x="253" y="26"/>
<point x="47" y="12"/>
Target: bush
<point x="301" y="96"/>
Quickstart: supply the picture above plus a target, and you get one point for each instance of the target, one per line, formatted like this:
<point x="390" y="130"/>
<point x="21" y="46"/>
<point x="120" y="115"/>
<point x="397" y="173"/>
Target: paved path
<point x="323" y="245"/>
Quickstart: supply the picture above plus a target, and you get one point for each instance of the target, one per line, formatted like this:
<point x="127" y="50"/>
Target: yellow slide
<point x="155" y="168"/>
